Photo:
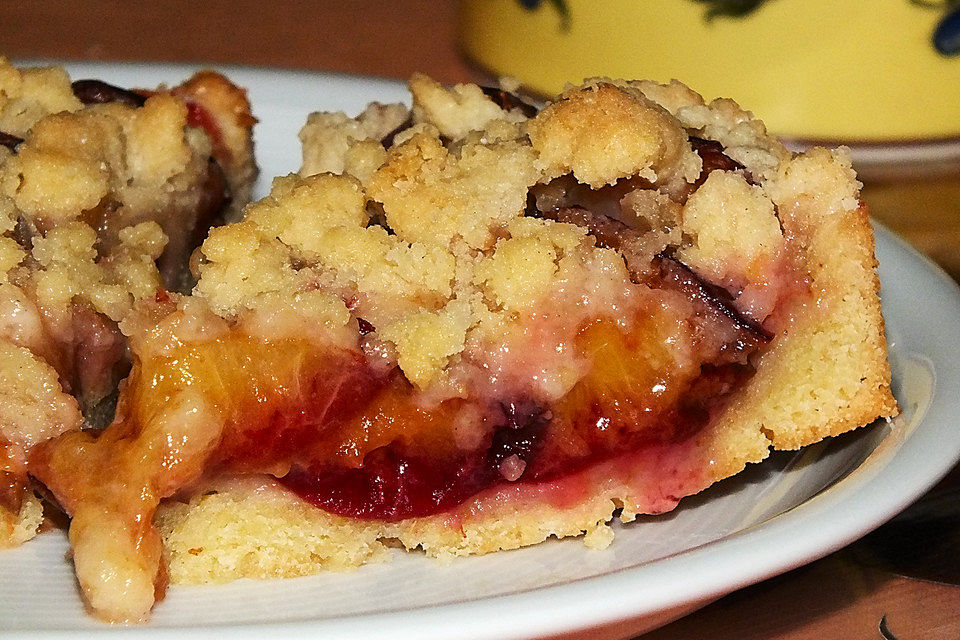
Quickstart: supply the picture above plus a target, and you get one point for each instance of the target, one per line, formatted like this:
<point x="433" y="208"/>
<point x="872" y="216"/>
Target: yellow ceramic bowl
<point x="833" y="70"/>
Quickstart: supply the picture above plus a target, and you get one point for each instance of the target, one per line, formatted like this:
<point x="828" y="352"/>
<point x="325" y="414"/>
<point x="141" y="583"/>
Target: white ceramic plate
<point x="790" y="510"/>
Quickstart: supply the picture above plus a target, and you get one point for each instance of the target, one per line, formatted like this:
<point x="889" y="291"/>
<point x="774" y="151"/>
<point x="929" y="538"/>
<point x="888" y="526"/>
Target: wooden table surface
<point x="835" y="598"/>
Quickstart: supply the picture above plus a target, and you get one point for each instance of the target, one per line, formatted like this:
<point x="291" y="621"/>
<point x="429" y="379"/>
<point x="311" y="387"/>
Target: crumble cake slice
<point x="469" y="326"/>
<point x="104" y="194"/>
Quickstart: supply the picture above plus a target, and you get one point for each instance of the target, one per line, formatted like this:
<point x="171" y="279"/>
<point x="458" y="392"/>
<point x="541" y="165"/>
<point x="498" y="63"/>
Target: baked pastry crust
<point x="464" y="253"/>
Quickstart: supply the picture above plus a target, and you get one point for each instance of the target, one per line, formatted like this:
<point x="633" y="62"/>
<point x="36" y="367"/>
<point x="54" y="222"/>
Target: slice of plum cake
<point x="472" y="325"/>
<point x="104" y="195"/>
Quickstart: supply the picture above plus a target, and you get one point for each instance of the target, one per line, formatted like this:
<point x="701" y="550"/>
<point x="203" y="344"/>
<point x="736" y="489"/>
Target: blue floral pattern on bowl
<point x="946" y="37"/>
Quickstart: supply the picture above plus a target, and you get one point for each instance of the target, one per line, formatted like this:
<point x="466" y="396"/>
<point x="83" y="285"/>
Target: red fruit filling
<point x="199" y="117"/>
<point x="363" y="444"/>
<point x="655" y="382"/>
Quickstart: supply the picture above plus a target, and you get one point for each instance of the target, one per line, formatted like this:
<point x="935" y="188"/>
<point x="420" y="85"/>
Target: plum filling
<point x="363" y="443"/>
<point x="713" y="157"/>
<point x="10" y="141"/>
<point x="200" y="118"/>
<point x="639" y="391"/>
<point x="388" y="140"/>
<point x="95" y="360"/>
<point x="99" y="92"/>
<point x="508" y="101"/>
<point x="212" y="205"/>
<point x="718" y="299"/>
<point x="397" y="480"/>
<point x="13" y="481"/>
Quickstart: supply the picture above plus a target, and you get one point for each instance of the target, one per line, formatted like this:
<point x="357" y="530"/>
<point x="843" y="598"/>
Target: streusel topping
<point x="418" y="219"/>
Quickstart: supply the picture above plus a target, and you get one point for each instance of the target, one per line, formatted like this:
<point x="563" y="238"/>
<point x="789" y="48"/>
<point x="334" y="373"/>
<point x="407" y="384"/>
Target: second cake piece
<point x="104" y="194"/>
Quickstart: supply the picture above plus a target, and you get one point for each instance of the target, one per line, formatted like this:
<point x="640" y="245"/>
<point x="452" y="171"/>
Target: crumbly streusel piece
<point x="608" y="132"/>
<point x="334" y="143"/>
